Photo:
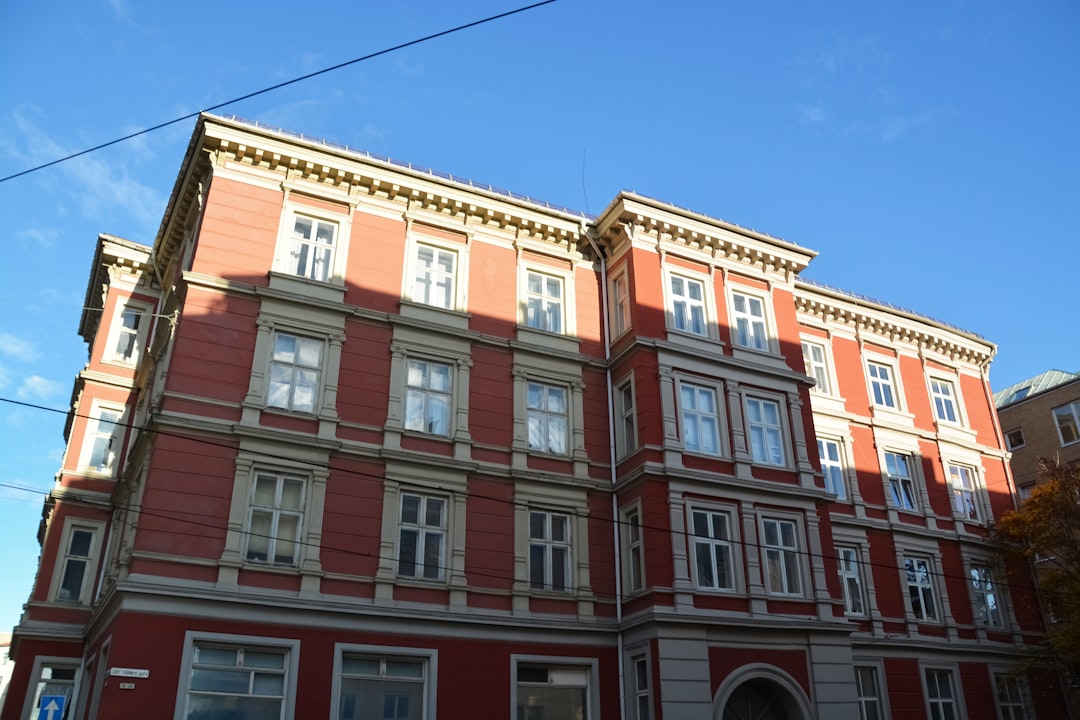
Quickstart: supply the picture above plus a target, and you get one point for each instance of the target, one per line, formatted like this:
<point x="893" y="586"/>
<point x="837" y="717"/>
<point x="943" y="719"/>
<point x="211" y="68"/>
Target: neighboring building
<point x="1041" y="419"/>
<point x="6" y="664"/>
<point x="358" y="440"/>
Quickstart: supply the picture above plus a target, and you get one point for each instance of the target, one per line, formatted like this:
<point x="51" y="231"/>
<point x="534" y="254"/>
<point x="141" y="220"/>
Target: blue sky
<point x="927" y="149"/>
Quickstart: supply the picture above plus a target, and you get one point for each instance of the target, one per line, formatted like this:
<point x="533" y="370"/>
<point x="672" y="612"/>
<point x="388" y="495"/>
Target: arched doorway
<point x="761" y="692"/>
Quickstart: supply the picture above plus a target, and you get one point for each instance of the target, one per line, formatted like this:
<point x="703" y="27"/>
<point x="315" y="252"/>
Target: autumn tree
<point x="1046" y="529"/>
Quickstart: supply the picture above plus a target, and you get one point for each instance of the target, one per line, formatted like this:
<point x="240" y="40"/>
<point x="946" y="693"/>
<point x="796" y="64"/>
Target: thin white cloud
<point x="5" y="377"/>
<point x="120" y="8"/>
<point x="36" y="388"/>
<point x="43" y="238"/>
<point x="811" y="114"/>
<point x="17" y="348"/>
<point x="101" y="187"/>
<point x="898" y="127"/>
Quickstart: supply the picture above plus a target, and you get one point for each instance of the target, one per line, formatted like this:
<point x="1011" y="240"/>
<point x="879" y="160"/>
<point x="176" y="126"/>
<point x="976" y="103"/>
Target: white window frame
<point x="834" y="469"/>
<point x="1013" y="444"/>
<point x="544" y="416"/>
<point x="276" y="513"/>
<point x="423" y="291"/>
<point x="297" y="367"/>
<point x="947" y="708"/>
<point x="429" y="658"/>
<point x="986" y="596"/>
<point x="883" y="390"/>
<point x="965" y="492"/>
<point x="625" y="418"/>
<point x="945" y="400"/>
<point x="763" y="428"/>
<point x="285" y="261"/>
<point x="143" y="311"/>
<point x="700" y="418"/>
<point x="899" y="485"/>
<point x="91" y="561"/>
<point x="619" y="297"/>
<point x="424" y="531"/>
<point x="427" y="396"/>
<point x="549" y="546"/>
<point x="31" y="702"/>
<point x="876" y="698"/>
<point x="1070" y="413"/>
<point x="193" y="638"/>
<point x="818" y="368"/>
<point x="715" y="545"/>
<point x="787" y="556"/>
<point x="115" y="438"/>
<point x="849" y="567"/>
<point x="760" y="333"/>
<point x="565" y="304"/>
<point x="918" y="574"/>
<point x="640" y="687"/>
<point x="1015" y="702"/>
<point x="563" y="671"/>
<point x="675" y="302"/>
<point x="634" y="548"/>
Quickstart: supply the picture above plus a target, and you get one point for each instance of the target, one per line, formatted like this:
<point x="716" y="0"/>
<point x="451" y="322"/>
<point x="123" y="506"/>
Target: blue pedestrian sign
<point x="52" y="707"/>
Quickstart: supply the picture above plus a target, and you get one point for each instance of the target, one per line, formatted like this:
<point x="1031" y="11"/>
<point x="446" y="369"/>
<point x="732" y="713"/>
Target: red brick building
<point x="362" y="441"/>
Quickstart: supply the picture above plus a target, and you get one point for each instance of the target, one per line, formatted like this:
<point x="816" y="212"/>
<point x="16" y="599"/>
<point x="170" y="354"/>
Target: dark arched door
<point x="757" y="700"/>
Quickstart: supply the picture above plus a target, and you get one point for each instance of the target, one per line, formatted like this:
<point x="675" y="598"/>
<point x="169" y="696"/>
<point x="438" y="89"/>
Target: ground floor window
<point x="53" y="687"/>
<point x="381" y="688"/>
<point x="547" y="692"/>
<point x="237" y="682"/>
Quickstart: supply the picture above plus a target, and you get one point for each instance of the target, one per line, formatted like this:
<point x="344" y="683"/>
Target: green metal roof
<point x="1032" y="386"/>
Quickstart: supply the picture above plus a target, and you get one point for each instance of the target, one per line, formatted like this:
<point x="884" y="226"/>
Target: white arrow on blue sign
<point x="52" y="707"/>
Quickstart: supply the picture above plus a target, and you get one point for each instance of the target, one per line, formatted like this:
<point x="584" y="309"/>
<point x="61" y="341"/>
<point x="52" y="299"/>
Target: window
<point x="104" y="438"/>
<point x="546" y="417"/>
<point x="1067" y="418"/>
<point x="781" y="547"/>
<point x="851" y="580"/>
<point x="869" y="691"/>
<point x="552" y="692"/>
<point x="765" y="431"/>
<point x="700" y="419"/>
<point x="831" y="465"/>
<point x="962" y="484"/>
<point x="941" y="392"/>
<point x="712" y="549"/>
<point x="920" y="587"/>
<point x="127" y="334"/>
<point x="1014" y="439"/>
<point x="549" y="551"/>
<point x="54" y="679"/>
<point x="427" y="397"/>
<point x="940" y="695"/>
<point x="311" y="252"/>
<point x="422" y="537"/>
<point x="901" y="486"/>
<point x="543" y="302"/>
<point x="620" y="305"/>
<point x="375" y="687"/>
<point x="77" y="574"/>
<point x="294" y="373"/>
<point x="237" y="681"/>
<point x="749" y="314"/>
<point x="277" y="507"/>
<point x="987" y="609"/>
<point x="642" y="702"/>
<point x="1012" y="696"/>
<point x="881" y="385"/>
<point x="434" y="278"/>
<point x="817" y="366"/>
<point x="625" y="424"/>
<point x="635" y="559"/>
<point x="688" y="305"/>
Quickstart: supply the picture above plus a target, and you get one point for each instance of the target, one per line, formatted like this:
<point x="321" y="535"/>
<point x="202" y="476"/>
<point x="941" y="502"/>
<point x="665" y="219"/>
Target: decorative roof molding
<point x="891" y="323"/>
<point x="113" y="257"/>
<point x="630" y="215"/>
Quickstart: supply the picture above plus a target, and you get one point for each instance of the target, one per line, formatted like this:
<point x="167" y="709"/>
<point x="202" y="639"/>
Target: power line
<point x="747" y="545"/>
<point x="280" y="85"/>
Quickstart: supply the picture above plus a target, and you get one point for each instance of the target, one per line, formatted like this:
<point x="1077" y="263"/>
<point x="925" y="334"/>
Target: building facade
<point x="357" y="441"/>
<point x="1041" y="419"/>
